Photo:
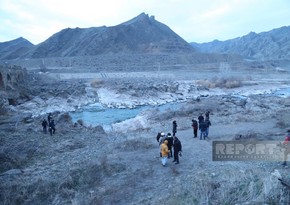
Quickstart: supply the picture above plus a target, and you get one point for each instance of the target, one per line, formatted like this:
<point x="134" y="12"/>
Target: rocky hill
<point x="142" y="34"/>
<point x="15" y="48"/>
<point x="141" y="43"/>
<point x="271" y="45"/>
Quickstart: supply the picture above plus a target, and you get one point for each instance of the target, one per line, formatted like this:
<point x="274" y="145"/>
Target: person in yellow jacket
<point x="164" y="152"/>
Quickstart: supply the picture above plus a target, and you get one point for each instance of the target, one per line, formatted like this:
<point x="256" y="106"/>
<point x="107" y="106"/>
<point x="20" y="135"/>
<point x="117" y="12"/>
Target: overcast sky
<point x="193" y="20"/>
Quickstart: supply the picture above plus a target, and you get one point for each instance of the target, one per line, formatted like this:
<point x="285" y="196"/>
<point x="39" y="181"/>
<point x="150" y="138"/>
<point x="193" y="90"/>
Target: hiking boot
<point x="176" y="162"/>
<point x="284" y="164"/>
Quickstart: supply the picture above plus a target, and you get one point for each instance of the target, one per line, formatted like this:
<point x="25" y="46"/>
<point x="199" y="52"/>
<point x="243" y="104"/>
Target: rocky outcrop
<point x="12" y="79"/>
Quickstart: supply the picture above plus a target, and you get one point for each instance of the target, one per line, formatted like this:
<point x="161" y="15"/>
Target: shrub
<point x="222" y="82"/>
<point x="80" y="122"/>
<point x="65" y="118"/>
<point x="96" y="83"/>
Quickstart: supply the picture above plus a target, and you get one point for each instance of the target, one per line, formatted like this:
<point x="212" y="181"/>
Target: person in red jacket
<point x="286" y="145"/>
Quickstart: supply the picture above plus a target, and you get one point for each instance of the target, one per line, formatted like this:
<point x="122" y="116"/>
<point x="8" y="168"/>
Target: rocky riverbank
<point x="85" y="165"/>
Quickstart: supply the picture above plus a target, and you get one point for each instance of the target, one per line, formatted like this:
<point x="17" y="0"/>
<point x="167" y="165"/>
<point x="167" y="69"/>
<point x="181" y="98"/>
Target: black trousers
<point x="195" y="132"/>
<point x="51" y="130"/>
<point x="170" y="152"/>
<point x="44" y="130"/>
<point x="176" y="158"/>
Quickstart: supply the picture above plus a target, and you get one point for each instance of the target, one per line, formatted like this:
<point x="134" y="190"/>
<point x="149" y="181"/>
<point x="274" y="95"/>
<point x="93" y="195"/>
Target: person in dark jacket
<point x="49" y="117"/>
<point x="208" y="123"/>
<point x="158" y="136"/>
<point x="200" y="118"/>
<point x="194" y="126"/>
<point x="44" y="126"/>
<point x="207" y="115"/>
<point x="169" y="138"/>
<point x="177" y="149"/>
<point x="174" y="127"/>
<point x="51" y="127"/>
<point x="202" y="128"/>
<point x="161" y="139"/>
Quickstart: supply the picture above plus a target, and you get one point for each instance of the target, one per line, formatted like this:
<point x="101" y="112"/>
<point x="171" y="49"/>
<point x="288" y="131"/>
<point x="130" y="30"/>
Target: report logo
<point x="247" y="151"/>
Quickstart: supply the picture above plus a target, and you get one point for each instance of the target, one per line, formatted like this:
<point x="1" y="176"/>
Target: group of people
<point x="50" y="123"/>
<point x="202" y="125"/>
<point x="167" y="143"/>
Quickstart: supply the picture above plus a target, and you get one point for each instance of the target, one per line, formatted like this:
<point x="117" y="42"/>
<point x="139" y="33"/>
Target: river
<point x="98" y="114"/>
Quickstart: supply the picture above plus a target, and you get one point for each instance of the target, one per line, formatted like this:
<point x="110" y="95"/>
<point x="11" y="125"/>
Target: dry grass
<point x="221" y="82"/>
<point x="136" y="144"/>
<point x="85" y="184"/>
<point x="283" y="119"/>
<point x="238" y="188"/>
<point x="74" y="187"/>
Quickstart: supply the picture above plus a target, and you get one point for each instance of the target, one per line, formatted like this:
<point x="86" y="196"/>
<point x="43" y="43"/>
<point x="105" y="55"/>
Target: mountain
<point x="271" y="45"/>
<point x="15" y="48"/>
<point x="142" y="34"/>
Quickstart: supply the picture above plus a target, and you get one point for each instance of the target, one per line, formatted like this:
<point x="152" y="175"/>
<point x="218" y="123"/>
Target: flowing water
<point x="97" y="114"/>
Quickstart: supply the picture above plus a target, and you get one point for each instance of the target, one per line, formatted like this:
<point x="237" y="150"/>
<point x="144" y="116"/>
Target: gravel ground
<point x="80" y="165"/>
